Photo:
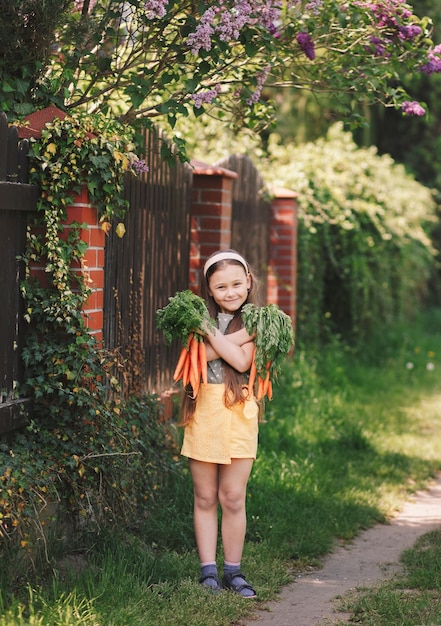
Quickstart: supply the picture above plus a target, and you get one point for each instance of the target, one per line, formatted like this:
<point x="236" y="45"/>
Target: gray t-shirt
<point x="216" y="373"/>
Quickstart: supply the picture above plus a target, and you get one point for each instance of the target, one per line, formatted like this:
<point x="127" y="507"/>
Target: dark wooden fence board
<point x="148" y="265"/>
<point x="17" y="196"/>
<point x="17" y="199"/>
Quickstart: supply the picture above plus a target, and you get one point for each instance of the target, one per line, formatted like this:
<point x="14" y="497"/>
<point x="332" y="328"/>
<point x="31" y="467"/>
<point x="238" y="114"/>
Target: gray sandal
<point x="216" y="588"/>
<point x="238" y="586"/>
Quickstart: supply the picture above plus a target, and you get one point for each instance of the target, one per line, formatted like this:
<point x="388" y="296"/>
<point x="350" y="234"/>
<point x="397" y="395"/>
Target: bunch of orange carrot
<point x="273" y="339"/>
<point x="264" y="382"/>
<point x="191" y="367"/>
<point x="272" y="329"/>
<point x="181" y="319"/>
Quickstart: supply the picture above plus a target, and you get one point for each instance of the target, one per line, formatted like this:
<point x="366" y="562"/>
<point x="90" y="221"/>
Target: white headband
<point x="225" y="256"/>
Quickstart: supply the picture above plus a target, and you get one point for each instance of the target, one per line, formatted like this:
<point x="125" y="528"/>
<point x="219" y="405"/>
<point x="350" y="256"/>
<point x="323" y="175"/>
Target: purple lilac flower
<point x="413" y="108"/>
<point x="139" y="165"/>
<point x="261" y="78"/>
<point x="314" y="6"/>
<point x="155" y="8"/>
<point x="386" y="12"/>
<point x="409" y="32"/>
<point x="433" y="66"/>
<point x="273" y="30"/>
<point x="227" y="23"/>
<point x="267" y="13"/>
<point x="231" y="22"/>
<point x="307" y="45"/>
<point x="205" y="97"/>
<point x="201" y="38"/>
<point x="378" y="45"/>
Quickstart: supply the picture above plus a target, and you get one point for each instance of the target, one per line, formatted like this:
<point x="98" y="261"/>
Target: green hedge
<point x="364" y="251"/>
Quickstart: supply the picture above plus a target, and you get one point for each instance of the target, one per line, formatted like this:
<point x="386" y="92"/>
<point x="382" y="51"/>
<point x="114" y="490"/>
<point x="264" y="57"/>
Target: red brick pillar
<point x="211" y="215"/>
<point x="282" y="261"/>
<point x="83" y="212"/>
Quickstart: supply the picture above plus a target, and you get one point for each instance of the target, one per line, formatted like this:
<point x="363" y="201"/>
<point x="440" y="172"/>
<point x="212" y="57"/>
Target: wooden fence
<point x="250" y="215"/>
<point x="17" y="199"/>
<point x="148" y="265"/>
<point x="151" y="262"/>
<point x="177" y="215"/>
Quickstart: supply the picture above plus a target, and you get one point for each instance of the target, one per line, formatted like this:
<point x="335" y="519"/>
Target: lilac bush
<point x="158" y="60"/>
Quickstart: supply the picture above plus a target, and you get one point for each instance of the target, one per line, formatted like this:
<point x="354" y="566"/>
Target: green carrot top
<point x="274" y="335"/>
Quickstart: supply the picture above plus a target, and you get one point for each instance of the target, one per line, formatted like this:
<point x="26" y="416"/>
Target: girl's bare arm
<point x="236" y="349"/>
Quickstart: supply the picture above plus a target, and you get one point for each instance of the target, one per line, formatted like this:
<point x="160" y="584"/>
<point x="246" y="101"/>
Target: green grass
<point x="411" y="598"/>
<point x="347" y="437"/>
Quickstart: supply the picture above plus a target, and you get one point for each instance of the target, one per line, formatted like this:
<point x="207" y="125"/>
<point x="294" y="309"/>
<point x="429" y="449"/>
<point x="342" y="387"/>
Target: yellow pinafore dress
<point x="217" y="434"/>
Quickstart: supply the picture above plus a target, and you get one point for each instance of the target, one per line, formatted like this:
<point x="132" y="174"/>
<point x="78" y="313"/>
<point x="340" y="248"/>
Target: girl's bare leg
<point x="205" y="484"/>
<point x="233" y="481"/>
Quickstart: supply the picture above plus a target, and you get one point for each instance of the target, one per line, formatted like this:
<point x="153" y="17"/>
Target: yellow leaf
<point x="106" y="226"/>
<point x="121" y="158"/>
<point x="51" y="148"/>
<point x="120" y="230"/>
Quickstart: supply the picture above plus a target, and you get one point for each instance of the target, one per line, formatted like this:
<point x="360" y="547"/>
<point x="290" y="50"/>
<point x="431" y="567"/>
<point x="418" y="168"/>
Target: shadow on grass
<point x="303" y="504"/>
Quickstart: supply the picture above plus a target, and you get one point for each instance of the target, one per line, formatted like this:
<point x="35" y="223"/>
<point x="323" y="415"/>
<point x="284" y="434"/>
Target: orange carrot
<point x="266" y="383"/>
<point x="195" y="382"/>
<point x="260" y="383"/>
<point x="252" y="376"/>
<point x="203" y="361"/>
<point x="186" y="371"/>
<point x="194" y="351"/>
<point x="180" y="364"/>
<point x="270" y="389"/>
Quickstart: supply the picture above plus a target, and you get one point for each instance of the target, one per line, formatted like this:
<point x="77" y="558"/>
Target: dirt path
<point x="372" y="556"/>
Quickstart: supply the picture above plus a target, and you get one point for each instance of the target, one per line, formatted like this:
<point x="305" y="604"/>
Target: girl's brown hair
<point x="233" y="379"/>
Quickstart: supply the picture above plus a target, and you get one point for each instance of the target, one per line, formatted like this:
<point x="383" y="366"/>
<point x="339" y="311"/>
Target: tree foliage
<point x="152" y="60"/>
<point x="27" y="35"/>
<point x="415" y="142"/>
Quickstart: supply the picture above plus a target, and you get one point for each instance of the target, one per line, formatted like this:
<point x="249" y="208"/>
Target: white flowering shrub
<point x="365" y="256"/>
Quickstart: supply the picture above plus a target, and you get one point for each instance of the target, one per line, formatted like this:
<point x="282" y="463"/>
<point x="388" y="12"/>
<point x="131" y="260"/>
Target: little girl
<point x="221" y="425"/>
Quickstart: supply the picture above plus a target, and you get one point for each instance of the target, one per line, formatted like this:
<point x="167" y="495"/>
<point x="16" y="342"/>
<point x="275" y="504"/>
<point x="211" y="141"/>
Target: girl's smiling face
<point x="229" y="287"/>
